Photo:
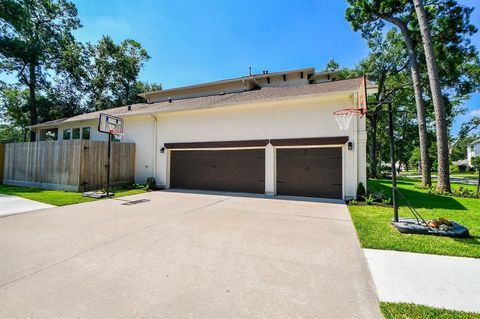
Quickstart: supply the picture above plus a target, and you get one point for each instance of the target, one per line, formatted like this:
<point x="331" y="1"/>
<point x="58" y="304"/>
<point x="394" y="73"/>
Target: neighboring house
<point x="271" y="133"/>
<point x="473" y="150"/>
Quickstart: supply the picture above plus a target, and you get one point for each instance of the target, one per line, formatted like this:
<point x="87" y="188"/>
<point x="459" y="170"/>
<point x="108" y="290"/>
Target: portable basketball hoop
<point x="344" y="116"/>
<point x="113" y="126"/>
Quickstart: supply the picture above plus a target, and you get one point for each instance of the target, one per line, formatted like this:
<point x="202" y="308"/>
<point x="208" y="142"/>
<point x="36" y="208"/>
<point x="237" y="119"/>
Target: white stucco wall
<point x="308" y="116"/>
<point x="295" y="118"/>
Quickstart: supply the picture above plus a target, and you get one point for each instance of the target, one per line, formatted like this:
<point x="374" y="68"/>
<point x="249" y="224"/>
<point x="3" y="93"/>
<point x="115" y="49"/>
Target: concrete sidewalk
<point x="431" y="280"/>
<point x="10" y="205"/>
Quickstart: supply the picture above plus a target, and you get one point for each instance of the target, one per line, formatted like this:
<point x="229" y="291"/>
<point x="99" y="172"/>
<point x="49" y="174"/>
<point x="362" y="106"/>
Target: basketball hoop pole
<point x="392" y="158"/>
<point x="108" y="163"/>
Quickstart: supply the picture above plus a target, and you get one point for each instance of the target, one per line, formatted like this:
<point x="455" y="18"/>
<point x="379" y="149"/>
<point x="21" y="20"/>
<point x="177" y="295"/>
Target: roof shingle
<point x="264" y="93"/>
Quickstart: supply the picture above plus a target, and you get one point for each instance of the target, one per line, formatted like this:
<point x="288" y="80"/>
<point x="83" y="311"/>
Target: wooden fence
<point x="2" y="156"/>
<point x="74" y="165"/>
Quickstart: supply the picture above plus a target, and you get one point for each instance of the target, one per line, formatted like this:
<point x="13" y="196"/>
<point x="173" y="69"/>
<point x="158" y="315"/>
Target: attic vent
<point x="129" y="107"/>
<point x="169" y="100"/>
<point x="284" y="77"/>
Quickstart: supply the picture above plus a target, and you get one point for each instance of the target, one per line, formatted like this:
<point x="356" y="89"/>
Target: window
<point x="67" y="133"/>
<point x="85" y="133"/>
<point x="51" y="134"/>
<point x="113" y="138"/>
<point x="76" y="133"/>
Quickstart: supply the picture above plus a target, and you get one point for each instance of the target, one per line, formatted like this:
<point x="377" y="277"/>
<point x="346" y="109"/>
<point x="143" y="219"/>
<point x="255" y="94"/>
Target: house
<point x="473" y="150"/>
<point x="269" y="133"/>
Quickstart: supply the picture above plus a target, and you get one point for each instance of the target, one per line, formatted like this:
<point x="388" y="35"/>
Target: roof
<point x="177" y="90"/>
<point x="474" y="142"/>
<point x="262" y="94"/>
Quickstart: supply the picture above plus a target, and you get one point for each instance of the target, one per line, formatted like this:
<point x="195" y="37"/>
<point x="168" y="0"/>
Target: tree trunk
<point x="440" y="116"/>
<point x="32" y="86"/>
<point x="373" y="145"/>
<point x="420" y="105"/>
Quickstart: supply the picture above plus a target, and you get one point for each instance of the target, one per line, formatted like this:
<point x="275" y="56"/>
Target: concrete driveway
<point x="10" y="205"/>
<point x="185" y="255"/>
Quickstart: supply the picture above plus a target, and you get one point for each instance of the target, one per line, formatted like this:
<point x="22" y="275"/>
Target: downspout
<point x="154" y="118"/>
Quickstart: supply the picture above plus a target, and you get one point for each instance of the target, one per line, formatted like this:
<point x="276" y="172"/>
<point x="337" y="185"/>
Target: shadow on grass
<point x="473" y="240"/>
<point x="417" y="198"/>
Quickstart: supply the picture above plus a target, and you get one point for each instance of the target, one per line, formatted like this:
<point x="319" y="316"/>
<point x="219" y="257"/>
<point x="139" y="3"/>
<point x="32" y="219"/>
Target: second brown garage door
<point x="222" y="170"/>
<point x="315" y="172"/>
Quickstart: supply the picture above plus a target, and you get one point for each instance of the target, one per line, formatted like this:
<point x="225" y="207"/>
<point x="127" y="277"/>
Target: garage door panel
<point x="310" y="172"/>
<point x="220" y="170"/>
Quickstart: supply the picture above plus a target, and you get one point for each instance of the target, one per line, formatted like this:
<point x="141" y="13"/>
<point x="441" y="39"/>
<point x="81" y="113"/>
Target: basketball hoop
<point x="111" y="125"/>
<point x="344" y="116"/>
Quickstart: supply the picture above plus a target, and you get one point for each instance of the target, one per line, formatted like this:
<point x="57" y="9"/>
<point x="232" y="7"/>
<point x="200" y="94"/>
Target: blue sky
<point x="197" y="41"/>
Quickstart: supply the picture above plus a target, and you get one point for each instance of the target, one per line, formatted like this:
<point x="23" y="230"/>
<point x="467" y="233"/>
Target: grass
<point x="472" y="175"/>
<point x="58" y="198"/>
<point x="375" y="230"/>
<point x="412" y="311"/>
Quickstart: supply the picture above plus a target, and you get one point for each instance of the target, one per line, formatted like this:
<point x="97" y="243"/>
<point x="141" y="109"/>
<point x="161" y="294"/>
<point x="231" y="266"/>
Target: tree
<point x="367" y="16"/>
<point x="440" y="115"/>
<point x="104" y="73"/>
<point x="32" y="35"/>
<point x="476" y="166"/>
<point x="14" y="107"/>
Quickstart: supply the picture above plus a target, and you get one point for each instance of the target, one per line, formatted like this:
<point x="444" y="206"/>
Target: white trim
<point x="312" y="146"/>
<point x="217" y="148"/>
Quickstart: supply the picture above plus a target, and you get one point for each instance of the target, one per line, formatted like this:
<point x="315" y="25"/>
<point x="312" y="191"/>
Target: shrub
<point x="361" y="192"/>
<point x="370" y="199"/>
<point x="353" y="202"/>
<point x="454" y="169"/>
<point x="151" y="183"/>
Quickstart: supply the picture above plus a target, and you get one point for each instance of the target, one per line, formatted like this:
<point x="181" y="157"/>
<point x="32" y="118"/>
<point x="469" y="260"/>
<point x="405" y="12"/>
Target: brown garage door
<point x="226" y="170"/>
<point x="315" y="172"/>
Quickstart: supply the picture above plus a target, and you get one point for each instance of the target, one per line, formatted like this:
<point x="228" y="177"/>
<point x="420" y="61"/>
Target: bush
<point x="361" y="192"/>
<point x="370" y="199"/>
<point x="454" y="169"/>
<point x="151" y="183"/>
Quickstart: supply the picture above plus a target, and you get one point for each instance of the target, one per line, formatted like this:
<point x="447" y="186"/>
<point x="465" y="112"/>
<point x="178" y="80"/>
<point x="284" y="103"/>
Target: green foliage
<point x="151" y="183"/>
<point x="454" y="169"/>
<point x="413" y="311"/>
<point x="10" y="134"/>
<point x="361" y="192"/>
<point x="459" y="147"/>
<point x="353" y="202"/>
<point x="369" y="199"/>
<point x="458" y="63"/>
<point x="58" y="76"/>
<point x="476" y="163"/>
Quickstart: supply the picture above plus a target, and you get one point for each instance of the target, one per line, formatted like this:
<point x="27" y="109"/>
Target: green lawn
<point x="375" y="230"/>
<point x="58" y="198"/>
<point x="472" y="175"/>
<point x="412" y="311"/>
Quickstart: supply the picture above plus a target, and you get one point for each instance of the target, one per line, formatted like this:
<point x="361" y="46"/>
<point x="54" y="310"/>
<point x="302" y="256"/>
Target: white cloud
<point x="474" y="113"/>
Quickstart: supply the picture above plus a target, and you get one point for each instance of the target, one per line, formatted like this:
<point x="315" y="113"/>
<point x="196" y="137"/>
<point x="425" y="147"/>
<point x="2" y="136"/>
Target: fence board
<point x="2" y="161"/>
<point x="70" y="165"/>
